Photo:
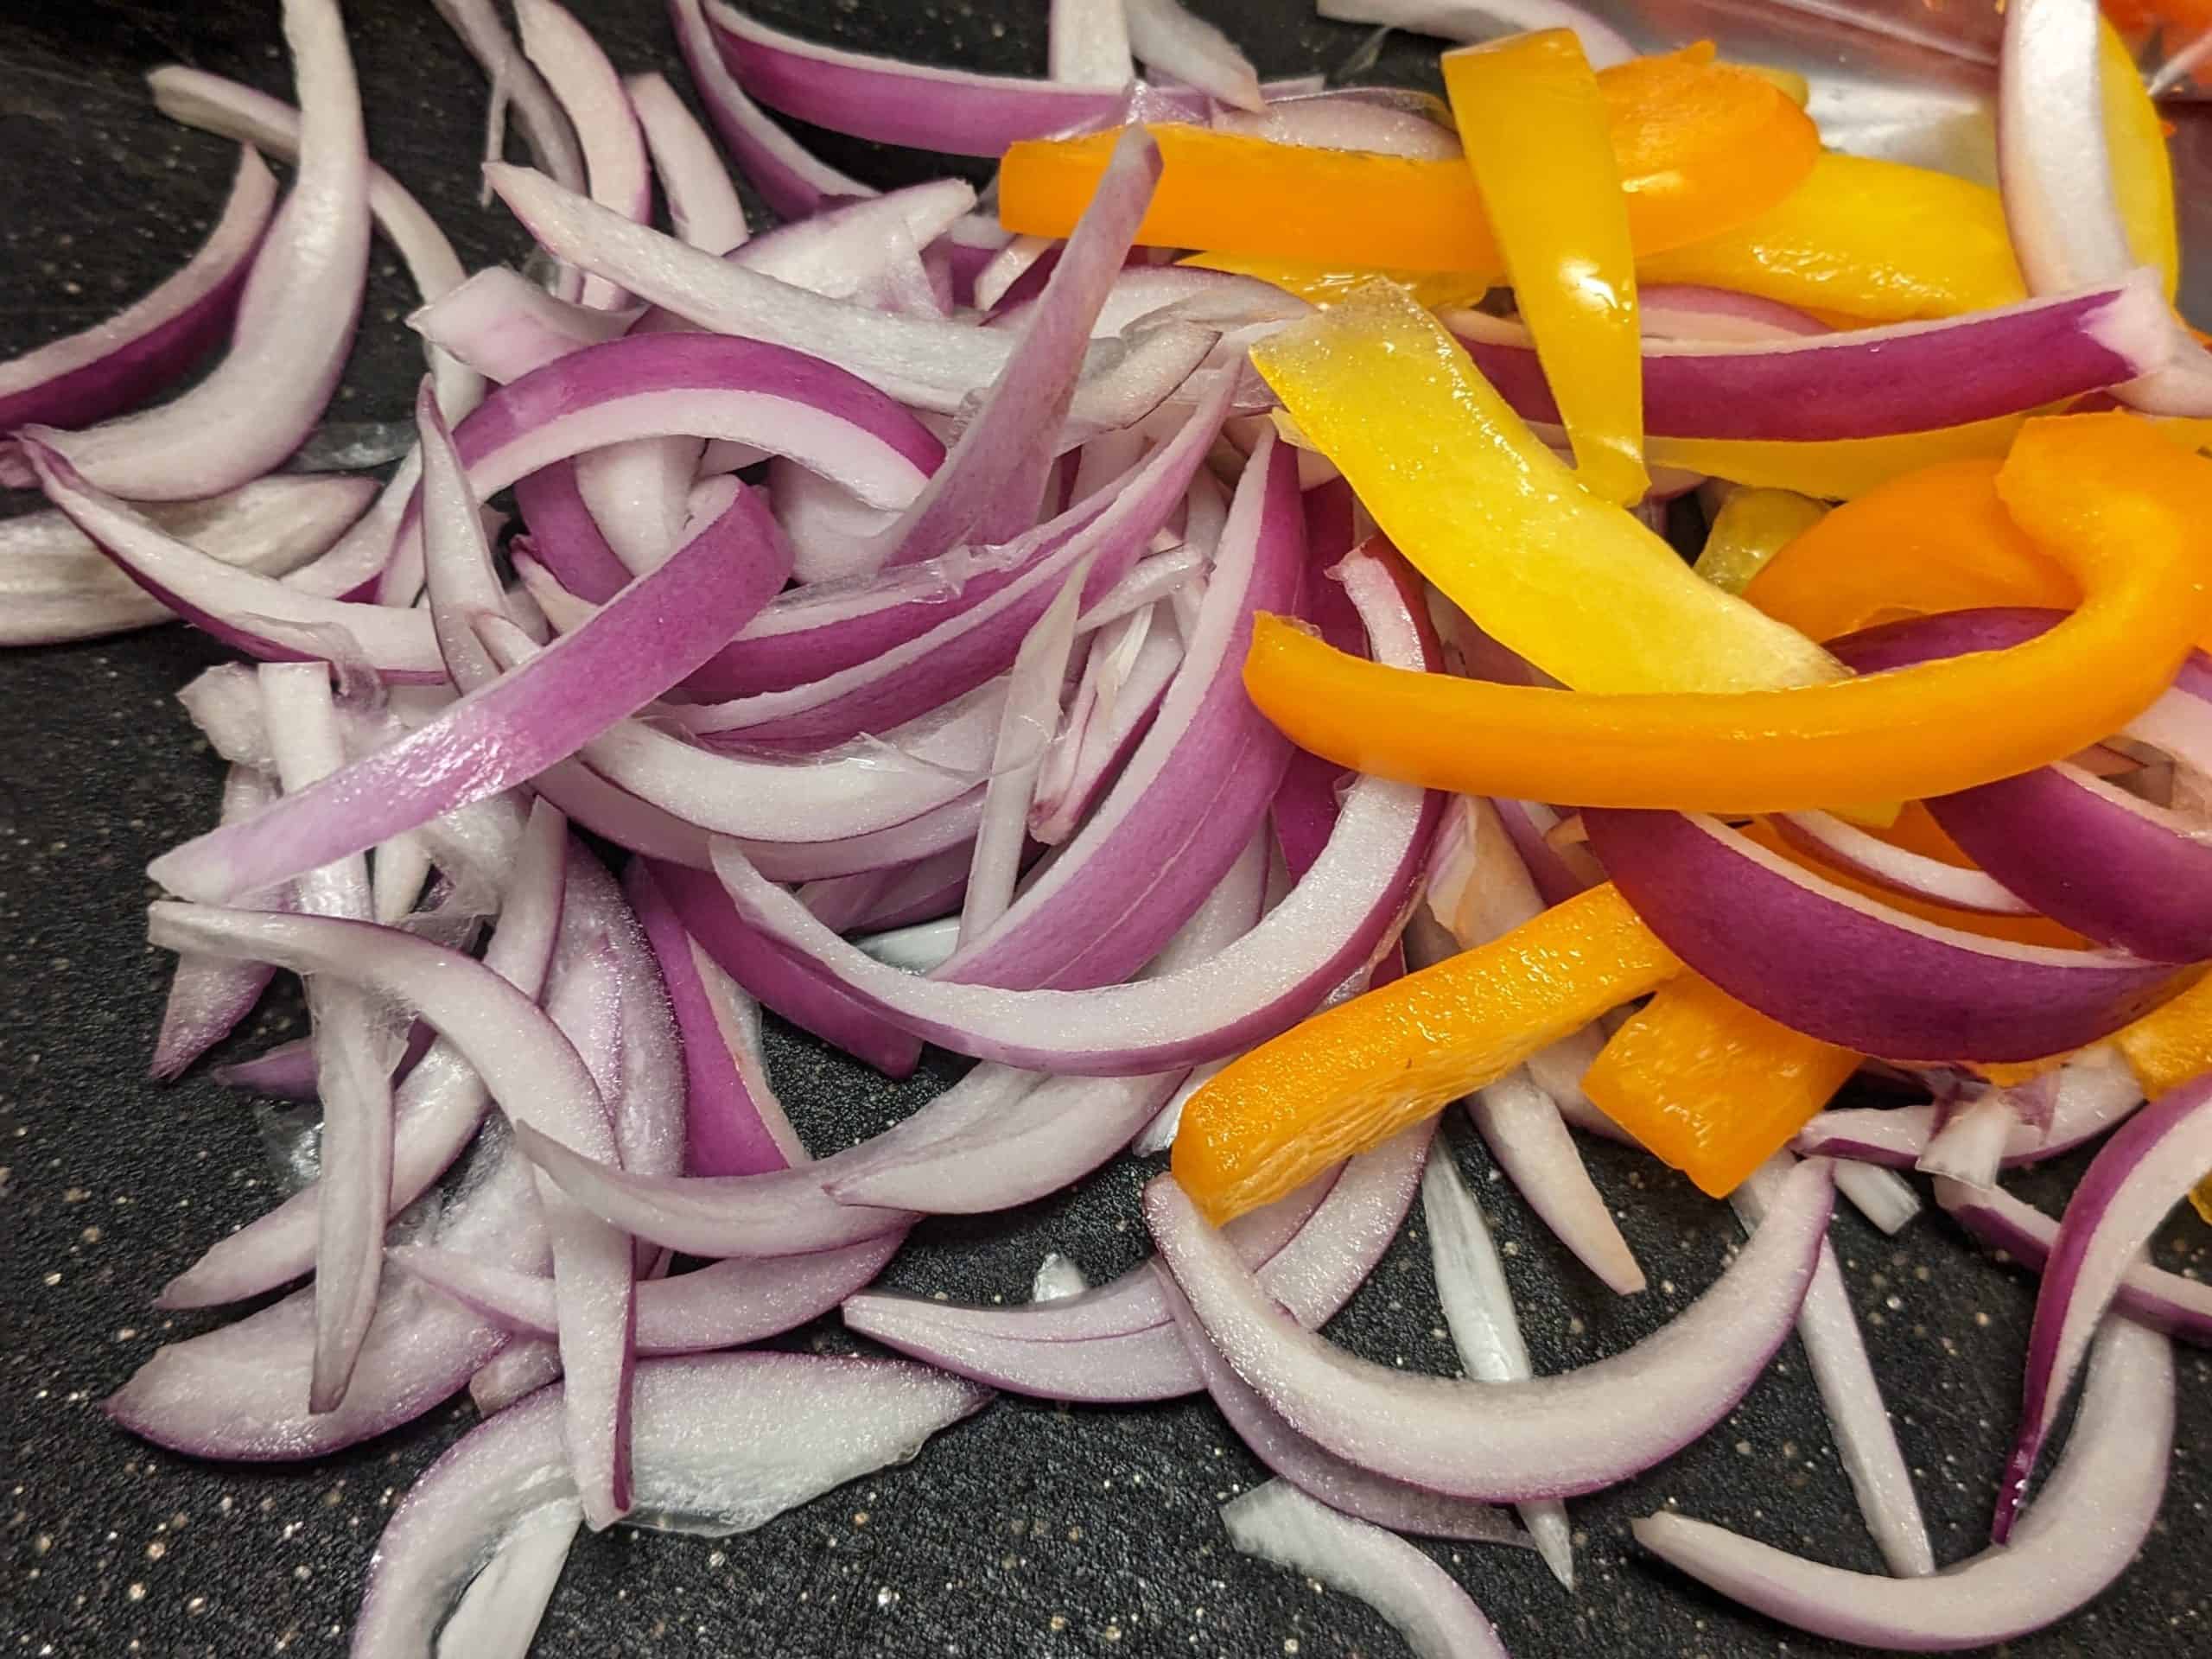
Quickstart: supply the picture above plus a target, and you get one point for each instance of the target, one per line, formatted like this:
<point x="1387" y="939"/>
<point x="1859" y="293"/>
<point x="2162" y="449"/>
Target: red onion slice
<point x="1113" y="707"/>
<point x="591" y="94"/>
<point x="1866" y="383"/>
<point x="1190" y="50"/>
<point x="1971" y="1144"/>
<point x="1088" y="44"/>
<point x="2164" y="1302"/>
<point x="2139" y="1174"/>
<point x="2054" y="170"/>
<point x="2096" y="1090"/>
<point x="145" y="347"/>
<point x="1478" y="1306"/>
<point x="1883" y="1195"/>
<point x="792" y="181"/>
<point x="1914" y="874"/>
<point x="954" y="110"/>
<point x="2085" y="1530"/>
<point x="552" y="142"/>
<point x="724" y="1443"/>
<point x="1482" y="20"/>
<point x="503" y="325"/>
<point x="1509" y="1440"/>
<point x="1346" y="120"/>
<point x="435" y="1111"/>
<point x="499" y="1614"/>
<point x="209" y="996"/>
<point x="1438" y="1619"/>
<point x="702" y="202"/>
<point x="1827" y="961"/>
<point x="296" y="316"/>
<point x="1835" y="1350"/>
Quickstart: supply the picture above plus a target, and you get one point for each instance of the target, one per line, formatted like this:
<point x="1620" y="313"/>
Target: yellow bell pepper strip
<point x="1839" y="469"/>
<point x="2123" y="509"/>
<point x="1879" y="241"/>
<point x="1938" y="539"/>
<point x="1578" y="586"/>
<point x="2172" y="1044"/>
<point x="1532" y="122"/>
<point x="1324" y="285"/>
<point x="1750" y="528"/>
<point x="1702" y="148"/>
<point x="1350" y="1078"/>
<point x="2142" y="171"/>
<point x="2200" y="1197"/>
<point x="1711" y="1087"/>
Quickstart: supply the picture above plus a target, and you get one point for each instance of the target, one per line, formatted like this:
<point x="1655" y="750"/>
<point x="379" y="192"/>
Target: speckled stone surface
<point x="1028" y="1530"/>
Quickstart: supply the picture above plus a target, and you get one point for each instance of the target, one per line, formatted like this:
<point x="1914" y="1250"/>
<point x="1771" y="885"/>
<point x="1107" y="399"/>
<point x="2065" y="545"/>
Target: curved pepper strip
<point x="1324" y="285"/>
<point x="2142" y="171"/>
<point x="1711" y="1087"/>
<point x="1351" y="1077"/>
<point x="1750" y="528"/>
<point x="1702" y="147"/>
<point x="1577" y="586"/>
<point x="2123" y="509"/>
<point x="1532" y="124"/>
<point x="1879" y="241"/>
<point x="1839" y="469"/>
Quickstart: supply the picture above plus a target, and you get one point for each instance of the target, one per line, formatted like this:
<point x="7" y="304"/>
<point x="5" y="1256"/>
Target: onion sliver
<point x="208" y="996"/>
<point x="592" y="97"/>
<point x="1279" y="1523"/>
<point x="726" y="1442"/>
<point x="1826" y="961"/>
<point x="2164" y="1302"/>
<point x="702" y="202"/>
<point x="503" y="325"/>
<point x="1898" y="868"/>
<point x="117" y="364"/>
<point x="499" y="1614"/>
<point x="296" y="316"/>
<point x="2138" y="1176"/>
<point x="1548" y="1437"/>
<point x="2080" y="1536"/>
<point x="2096" y="1090"/>
<point x="1172" y="43"/>
<point x="1866" y="383"/>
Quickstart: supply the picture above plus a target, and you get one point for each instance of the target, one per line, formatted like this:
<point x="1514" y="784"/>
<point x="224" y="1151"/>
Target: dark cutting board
<point x="1028" y="1530"/>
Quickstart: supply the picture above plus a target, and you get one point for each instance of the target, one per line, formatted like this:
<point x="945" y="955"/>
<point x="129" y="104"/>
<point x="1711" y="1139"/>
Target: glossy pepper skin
<point x="1481" y="507"/>
<point x="1533" y="123"/>
<point x="1702" y="147"/>
<point x="2122" y="510"/>
<point x="1352" y="1076"/>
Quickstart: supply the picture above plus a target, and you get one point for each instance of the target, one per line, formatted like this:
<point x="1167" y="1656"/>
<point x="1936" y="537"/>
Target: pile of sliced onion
<point x="880" y="597"/>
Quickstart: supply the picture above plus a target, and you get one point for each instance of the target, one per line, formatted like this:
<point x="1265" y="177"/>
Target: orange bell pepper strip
<point x="2172" y="1044"/>
<point x="1578" y="586"/>
<point x="1532" y="124"/>
<point x="1875" y="240"/>
<point x="1702" y="147"/>
<point x="1750" y="528"/>
<point x="1324" y="285"/>
<point x="1711" y="1087"/>
<point x="1351" y="1077"/>
<point x="1835" y="469"/>
<point x="2124" y="510"/>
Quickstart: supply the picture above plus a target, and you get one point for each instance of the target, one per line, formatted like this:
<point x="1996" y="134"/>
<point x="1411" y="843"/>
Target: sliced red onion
<point x="834" y="538"/>
<point x="539" y="1079"/>
<point x="1117" y="1344"/>
<point x="1193" y="792"/>
<point x="591" y="94"/>
<point x="1179" y="47"/>
<point x="1827" y="961"/>
<point x="2164" y="1302"/>
<point x="552" y="142"/>
<point x="842" y="252"/>
<point x="1112" y="708"/>
<point x="1213" y="299"/>
<point x="1688" y="311"/>
<point x="1883" y="1195"/>
<point x="1914" y="874"/>
<point x="792" y="181"/>
<point x="1868" y="382"/>
<point x="1970" y="1145"/>
<point x="1424" y="1604"/>
<point x="239" y="1392"/>
<point x="1346" y="121"/>
<point x="1509" y="1440"/>
<point x="435" y="1111"/>
<point x="1344" y="1487"/>
<point x="921" y="670"/>
<point x="2146" y="1169"/>
<point x="1836" y="1351"/>
<point x="2085" y="1530"/>
<point x="1482" y="20"/>
<point x="503" y="325"/>
<point x="664" y="625"/>
<point x="2096" y="1090"/>
<point x="353" y="1064"/>
<point x="923" y="891"/>
<point x="724" y="1444"/>
<point x="2055" y="171"/>
<point x="1088" y="44"/>
<point x="397" y="872"/>
<point x="954" y="110"/>
<point x="209" y="996"/>
<point x="499" y="1614"/>
<point x="141" y="350"/>
<point x="296" y="316"/>
<point x="1478" y="1311"/>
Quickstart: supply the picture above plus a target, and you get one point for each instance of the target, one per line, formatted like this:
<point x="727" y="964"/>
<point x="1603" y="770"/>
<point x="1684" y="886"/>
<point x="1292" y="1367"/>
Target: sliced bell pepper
<point x="1351" y="1077"/>
<point x="1879" y="241"/>
<point x="2122" y="509"/>
<point x="1703" y="147"/>
<point x="1324" y="285"/>
<point x="1711" y="1087"/>
<point x="1578" y="586"/>
<point x="2142" y="171"/>
<point x="1532" y="124"/>
<point x="1838" y="469"/>
<point x="1750" y="528"/>
<point x="2171" y="1044"/>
